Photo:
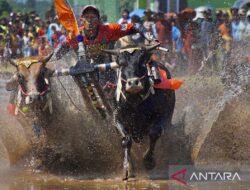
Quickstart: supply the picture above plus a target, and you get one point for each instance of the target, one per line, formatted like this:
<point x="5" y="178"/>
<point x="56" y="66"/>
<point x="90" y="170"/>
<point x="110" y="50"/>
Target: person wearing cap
<point x="97" y="36"/>
<point x="235" y="28"/>
<point x="37" y="23"/>
<point x="148" y="21"/>
<point x="208" y="38"/>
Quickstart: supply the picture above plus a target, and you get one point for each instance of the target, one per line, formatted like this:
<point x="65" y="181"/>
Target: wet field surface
<point x="30" y="180"/>
<point x="23" y="179"/>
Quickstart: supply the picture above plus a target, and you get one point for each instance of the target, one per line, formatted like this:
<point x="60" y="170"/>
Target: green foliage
<point x="31" y="4"/>
<point x="5" y="8"/>
<point x="19" y="7"/>
<point x="214" y="3"/>
<point x="4" y="14"/>
<point x="126" y="4"/>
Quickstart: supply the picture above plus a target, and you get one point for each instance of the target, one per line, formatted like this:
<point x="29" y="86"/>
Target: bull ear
<point x="152" y="47"/>
<point x="13" y="62"/>
<point x="112" y="52"/>
<point x="46" y="59"/>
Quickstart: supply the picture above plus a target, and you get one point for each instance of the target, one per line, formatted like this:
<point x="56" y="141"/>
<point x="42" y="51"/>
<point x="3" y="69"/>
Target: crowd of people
<point x="195" y="38"/>
<point x="24" y="35"/>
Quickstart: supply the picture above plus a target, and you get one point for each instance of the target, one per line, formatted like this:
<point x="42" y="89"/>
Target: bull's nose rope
<point x="23" y="91"/>
<point x="45" y="90"/>
<point x="109" y="85"/>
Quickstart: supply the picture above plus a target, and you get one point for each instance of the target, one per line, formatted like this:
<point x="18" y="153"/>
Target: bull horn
<point x="149" y="48"/>
<point x="13" y="62"/>
<point x="111" y="51"/>
<point x="46" y="59"/>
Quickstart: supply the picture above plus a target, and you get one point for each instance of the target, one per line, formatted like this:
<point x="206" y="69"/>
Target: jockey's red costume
<point x="97" y="36"/>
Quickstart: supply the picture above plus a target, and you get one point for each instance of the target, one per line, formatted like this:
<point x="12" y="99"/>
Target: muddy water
<point x="14" y="140"/>
<point x="39" y="181"/>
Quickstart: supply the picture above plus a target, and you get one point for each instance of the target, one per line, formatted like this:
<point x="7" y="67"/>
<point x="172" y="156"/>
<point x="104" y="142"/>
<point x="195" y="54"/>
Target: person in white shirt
<point x="26" y="45"/>
<point x="125" y="17"/>
<point x="247" y="30"/>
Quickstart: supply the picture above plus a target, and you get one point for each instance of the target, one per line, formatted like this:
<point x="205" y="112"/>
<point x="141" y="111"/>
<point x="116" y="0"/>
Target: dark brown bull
<point x="140" y="108"/>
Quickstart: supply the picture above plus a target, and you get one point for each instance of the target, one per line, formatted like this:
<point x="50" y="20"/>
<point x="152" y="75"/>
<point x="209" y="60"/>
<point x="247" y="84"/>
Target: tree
<point x="126" y="4"/>
<point x="4" y="7"/>
<point x="31" y="3"/>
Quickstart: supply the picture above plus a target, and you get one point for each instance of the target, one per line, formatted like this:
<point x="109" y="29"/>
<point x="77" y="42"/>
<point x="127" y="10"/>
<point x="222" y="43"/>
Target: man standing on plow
<point x="96" y="36"/>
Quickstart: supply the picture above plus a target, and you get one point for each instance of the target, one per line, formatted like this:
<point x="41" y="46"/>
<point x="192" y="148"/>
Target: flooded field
<point x="40" y="181"/>
<point x="70" y="164"/>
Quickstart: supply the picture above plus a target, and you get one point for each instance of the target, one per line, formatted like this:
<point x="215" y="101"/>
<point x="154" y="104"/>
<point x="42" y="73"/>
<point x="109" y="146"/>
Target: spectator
<point x="136" y="38"/>
<point x="235" y="25"/>
<point x="37" y="21"/>
<point x="207" y="31"/>
<point x="44" y="48"/>
<point x="125" y="19"/>
<point x="163" y="29"/>
<point x="26" y="45"/>
<point x="148" y="20"/>
<point x="55" y="37"/>
<point x="177" y="45"/>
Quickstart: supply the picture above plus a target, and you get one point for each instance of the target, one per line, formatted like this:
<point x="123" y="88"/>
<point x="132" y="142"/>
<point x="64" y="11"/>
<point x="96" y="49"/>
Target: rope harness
<point x="121" y="92"/>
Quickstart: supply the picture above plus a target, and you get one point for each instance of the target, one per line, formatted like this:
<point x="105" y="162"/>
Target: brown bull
<point x="30" y="87"/>
<point x="29" y="77"/>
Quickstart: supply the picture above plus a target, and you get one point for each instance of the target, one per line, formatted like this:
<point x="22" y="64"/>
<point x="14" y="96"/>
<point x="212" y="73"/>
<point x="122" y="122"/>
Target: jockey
<point x="98" y="36"/>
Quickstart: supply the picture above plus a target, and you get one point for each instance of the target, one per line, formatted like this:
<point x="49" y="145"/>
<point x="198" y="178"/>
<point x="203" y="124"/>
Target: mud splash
<point x="38" y="181"/>
<point x="75" y="137"/>
<point x="206" y="119"/>
<point x="13" y="141"/>
<point x="226" y="128"/>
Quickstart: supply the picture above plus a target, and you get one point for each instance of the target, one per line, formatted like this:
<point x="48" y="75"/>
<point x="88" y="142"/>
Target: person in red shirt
<point x="163" y="29"/>
<point x="97" y="36"/>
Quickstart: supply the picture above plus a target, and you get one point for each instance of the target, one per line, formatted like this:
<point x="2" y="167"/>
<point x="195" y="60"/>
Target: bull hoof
<point x="128" y="175"/>
<point x="125" y="178"/>
<point x="148" y="161"/>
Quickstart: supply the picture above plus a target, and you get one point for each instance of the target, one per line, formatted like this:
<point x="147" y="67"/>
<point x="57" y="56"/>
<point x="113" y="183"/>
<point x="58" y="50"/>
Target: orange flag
<point x="66" y="16"/>
<point x="172" y="84"/>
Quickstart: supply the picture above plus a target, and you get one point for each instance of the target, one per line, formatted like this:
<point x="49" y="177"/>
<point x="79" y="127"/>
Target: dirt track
<point x="200" y="120"/>
<point x="13" y="141"/>
<point x="212" y="131"/>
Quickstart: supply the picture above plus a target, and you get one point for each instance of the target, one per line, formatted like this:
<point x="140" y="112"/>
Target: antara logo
<point x="215" y="176"/>
<point x="183" y="177"/>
